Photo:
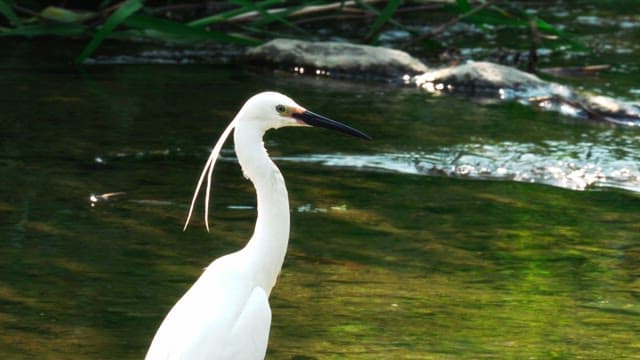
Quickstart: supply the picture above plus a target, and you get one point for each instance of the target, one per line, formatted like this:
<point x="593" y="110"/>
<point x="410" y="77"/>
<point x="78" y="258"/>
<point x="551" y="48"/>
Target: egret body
<point x="226" y="314"/>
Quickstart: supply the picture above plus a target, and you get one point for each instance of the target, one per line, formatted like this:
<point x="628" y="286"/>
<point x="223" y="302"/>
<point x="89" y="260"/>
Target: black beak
<point x="314" y="119"/>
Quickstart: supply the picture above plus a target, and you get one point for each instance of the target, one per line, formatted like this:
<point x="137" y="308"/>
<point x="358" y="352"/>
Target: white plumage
<point x="226" y="313"/>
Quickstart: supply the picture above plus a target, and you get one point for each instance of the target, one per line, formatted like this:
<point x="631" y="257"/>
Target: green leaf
<point x="271" y="16"/>
<point x="384" y="16"/>
<point x="285" y="12"/>
<point x="173" y="30"/>
<point x="545" y="26"/>
<point x="463" y="6"/>
<point x="42" y="29"/>
<point x="125" y="10"/>
<point x="213" y="19"/>
<point x="7" y="11"/>
<point x="365" y="5"/>
<point x="66" y="16"/>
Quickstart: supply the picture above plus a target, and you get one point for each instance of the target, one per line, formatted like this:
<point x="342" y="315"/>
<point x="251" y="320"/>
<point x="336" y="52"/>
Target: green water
<point x="382" y="264"/>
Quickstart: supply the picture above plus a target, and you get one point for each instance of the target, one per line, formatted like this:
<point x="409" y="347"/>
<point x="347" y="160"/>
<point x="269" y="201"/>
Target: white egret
<point x="226" y="313"/>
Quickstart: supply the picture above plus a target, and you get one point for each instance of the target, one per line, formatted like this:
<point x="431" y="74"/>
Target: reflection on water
<point x="575" y="166"/>
<point x="382" y="264"/>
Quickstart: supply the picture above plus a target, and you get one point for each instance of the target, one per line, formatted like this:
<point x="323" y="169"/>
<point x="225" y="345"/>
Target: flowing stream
<point x="394" y="254"/>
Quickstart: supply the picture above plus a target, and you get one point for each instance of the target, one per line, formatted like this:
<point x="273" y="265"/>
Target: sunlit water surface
<point x="462" y="231"/>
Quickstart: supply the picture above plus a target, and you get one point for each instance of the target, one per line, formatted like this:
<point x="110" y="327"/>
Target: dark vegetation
<point x="418" y="25"/>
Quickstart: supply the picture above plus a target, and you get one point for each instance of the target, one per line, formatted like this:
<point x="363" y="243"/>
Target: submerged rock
<point x="340" y="59"/>
<point x="613" y="110"/>
<point x="480" y="75"/>
<point x="477" y="79"/>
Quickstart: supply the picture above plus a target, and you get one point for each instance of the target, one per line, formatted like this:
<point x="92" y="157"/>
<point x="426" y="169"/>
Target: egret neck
<point x="226" y="315"/>
<point x="268" y="245"/>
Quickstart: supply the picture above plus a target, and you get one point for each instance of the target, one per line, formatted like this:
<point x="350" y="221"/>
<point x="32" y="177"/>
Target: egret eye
<point x="280" y="109"/>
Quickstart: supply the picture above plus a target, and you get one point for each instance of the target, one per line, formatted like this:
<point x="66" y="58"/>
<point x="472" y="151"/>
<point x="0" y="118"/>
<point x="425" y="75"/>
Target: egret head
<point x="272" y="110"/>
<point x="264" y="111"/>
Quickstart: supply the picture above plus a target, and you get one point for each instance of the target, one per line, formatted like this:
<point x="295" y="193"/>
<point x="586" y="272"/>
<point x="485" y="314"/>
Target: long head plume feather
<point x="208" y="170"/>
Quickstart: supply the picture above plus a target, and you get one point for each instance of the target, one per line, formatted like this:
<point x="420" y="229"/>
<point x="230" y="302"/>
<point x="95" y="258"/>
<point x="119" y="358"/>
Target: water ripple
<point x="575" y="166"/>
